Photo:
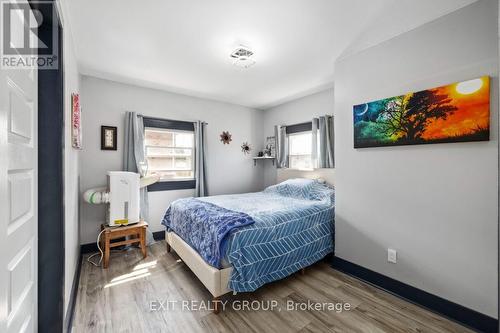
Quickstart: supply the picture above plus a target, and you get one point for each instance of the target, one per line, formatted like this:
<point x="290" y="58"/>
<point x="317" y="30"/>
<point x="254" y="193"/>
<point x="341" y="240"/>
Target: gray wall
<point x="437" y="205"/>
<point x="71" y="172"/>
<point x="294" y="112"/>
<point x="229" y="170"/>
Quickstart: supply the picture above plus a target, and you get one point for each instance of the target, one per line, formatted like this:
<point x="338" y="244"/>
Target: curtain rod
<point x="139" y="114"/>
<point x="305" y="122"/>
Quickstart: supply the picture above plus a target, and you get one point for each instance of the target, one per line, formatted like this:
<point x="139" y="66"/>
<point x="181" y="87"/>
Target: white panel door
<point x="18" y="199"/>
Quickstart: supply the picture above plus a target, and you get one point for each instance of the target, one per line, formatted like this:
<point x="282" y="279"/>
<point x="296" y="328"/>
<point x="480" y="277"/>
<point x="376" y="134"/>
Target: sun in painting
<point x="469" y="87"/>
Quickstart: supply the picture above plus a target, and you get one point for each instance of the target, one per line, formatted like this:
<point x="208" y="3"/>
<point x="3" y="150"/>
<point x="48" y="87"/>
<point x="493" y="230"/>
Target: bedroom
<point x="277" y="151"/>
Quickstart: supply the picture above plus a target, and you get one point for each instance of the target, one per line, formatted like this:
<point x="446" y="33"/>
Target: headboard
<point x="328" y="175"/>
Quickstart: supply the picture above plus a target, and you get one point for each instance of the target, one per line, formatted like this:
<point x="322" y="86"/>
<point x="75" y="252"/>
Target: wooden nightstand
<point x="136" y="232"/>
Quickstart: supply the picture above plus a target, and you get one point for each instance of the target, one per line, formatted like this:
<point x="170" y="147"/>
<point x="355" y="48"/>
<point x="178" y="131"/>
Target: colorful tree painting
<point x="454" y="113"/>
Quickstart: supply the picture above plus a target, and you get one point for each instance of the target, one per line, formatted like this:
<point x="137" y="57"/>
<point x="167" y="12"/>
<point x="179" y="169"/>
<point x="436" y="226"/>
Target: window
<point x="170" y="153"/>
<point x="299" y="150"/>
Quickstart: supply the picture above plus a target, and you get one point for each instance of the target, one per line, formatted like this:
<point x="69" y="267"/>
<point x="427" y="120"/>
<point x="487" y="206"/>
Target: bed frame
<point x="215" y="280"/>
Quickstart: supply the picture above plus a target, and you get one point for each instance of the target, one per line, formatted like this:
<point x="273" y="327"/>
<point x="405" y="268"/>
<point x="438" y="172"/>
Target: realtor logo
<point x="29" y="38"/>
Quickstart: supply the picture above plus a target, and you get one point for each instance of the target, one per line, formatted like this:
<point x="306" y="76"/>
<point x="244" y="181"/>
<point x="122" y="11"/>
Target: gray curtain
<point x="134" y="160"/>
<point x="315" y="146"/>
<point x="281" y="146"/>
<point x="200" y="161"/>
<point x="323" y="134"/>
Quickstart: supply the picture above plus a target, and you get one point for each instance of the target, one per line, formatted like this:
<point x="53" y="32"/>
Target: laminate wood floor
<point x="146" y="295"/>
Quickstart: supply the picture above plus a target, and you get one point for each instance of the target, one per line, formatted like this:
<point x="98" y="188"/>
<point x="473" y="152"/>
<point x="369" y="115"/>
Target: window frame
<point x="297" y="129"/>
<point x="289" y="149"/>
<point x="175" y="125"/>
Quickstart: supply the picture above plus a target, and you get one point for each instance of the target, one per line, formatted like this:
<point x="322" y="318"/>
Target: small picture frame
<point x="108" y="138"/>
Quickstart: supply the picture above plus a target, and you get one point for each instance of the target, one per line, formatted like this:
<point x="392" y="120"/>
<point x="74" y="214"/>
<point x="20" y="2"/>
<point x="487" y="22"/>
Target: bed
<point x="237" y="243"/>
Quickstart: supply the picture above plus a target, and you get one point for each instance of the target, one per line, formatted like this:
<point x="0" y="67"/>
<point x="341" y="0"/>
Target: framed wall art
<point x="76" y="122"/>
<point x="108" y="138"/>
<point x="457" y="112"/>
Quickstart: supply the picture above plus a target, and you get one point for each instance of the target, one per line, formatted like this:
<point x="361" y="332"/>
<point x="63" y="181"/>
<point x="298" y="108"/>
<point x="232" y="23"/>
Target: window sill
<point x="172" y="185"/>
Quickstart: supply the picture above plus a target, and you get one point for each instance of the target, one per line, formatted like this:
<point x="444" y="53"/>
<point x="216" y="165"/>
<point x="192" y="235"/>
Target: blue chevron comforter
<point x="292" y="227"/>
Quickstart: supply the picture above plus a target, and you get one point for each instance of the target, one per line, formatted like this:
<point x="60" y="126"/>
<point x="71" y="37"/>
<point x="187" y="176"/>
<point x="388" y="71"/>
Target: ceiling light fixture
<point x="242" y="57"/>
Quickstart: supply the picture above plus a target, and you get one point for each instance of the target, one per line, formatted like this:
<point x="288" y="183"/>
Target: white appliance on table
<point x="122" y="196"/>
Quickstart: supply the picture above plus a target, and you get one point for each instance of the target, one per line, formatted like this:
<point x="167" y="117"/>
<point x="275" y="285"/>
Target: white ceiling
<point x="184" y="45"/>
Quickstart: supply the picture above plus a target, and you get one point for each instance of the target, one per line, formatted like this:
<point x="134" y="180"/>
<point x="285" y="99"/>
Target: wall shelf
<point x="257" y="158"/>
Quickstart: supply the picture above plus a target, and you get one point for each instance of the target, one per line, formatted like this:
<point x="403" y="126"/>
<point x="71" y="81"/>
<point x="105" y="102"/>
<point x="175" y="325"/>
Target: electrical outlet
<point x="392" y="255"/>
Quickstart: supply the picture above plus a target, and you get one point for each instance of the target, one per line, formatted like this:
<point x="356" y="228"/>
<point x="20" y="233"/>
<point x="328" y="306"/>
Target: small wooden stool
<point x="137" y="231"/>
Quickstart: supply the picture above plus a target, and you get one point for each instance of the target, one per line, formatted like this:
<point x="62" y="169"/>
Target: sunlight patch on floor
<point x="151" y="264"/>
<point x="140" y="271"/>
<point x="134" y="273"/>
<point x="131" y="278"/>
